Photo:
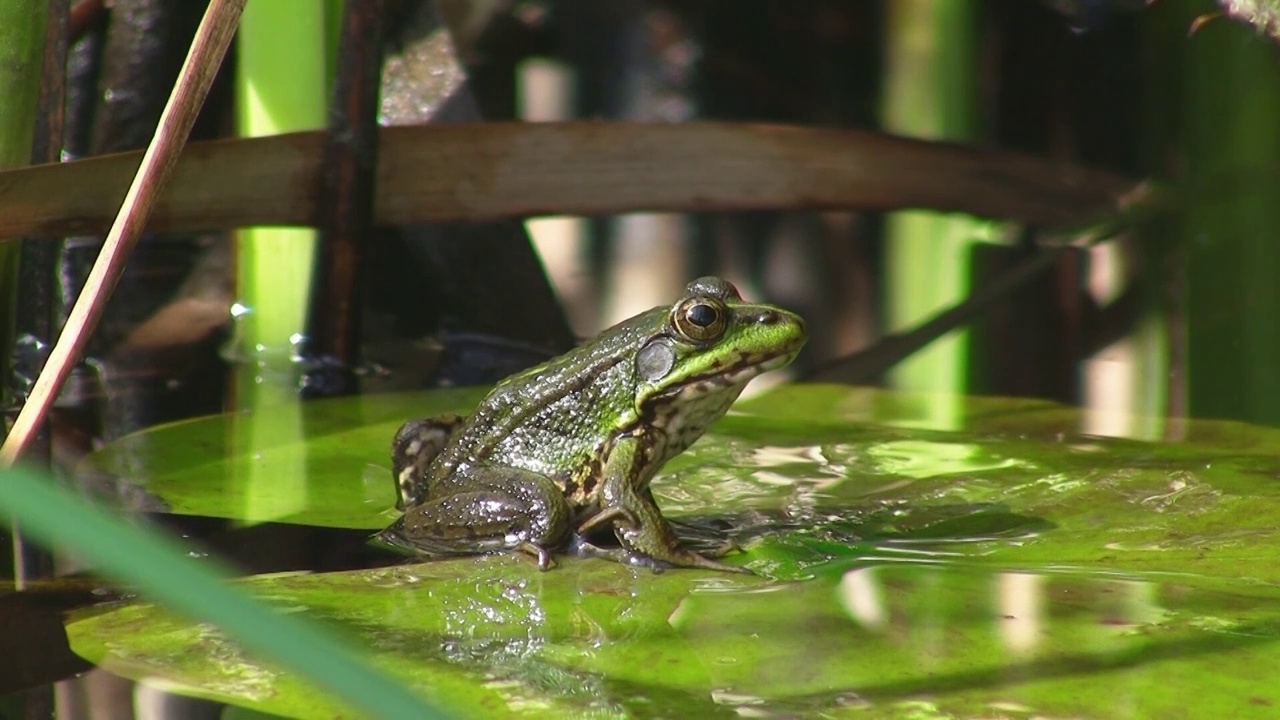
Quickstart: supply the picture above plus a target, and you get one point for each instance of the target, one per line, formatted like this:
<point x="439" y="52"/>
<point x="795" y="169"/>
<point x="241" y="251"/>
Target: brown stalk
<point x="207" y="50"/>
<point x="83" y="15"/>
<point x="346" y="186"/>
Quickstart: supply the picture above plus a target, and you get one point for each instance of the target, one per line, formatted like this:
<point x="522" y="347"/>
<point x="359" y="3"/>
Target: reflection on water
<point x="861" y="597"/>
<point x="970" y="643"/>
<point x="1021" y="597"/>
<point x="921" y="459"/>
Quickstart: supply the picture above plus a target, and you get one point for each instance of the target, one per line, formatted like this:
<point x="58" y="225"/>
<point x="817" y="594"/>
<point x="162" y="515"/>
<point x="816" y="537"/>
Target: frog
<point x="569" y="448"/>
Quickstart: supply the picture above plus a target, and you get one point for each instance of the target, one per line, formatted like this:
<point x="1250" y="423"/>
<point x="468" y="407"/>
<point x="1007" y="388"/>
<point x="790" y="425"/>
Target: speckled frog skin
<point x="569" y="447"/>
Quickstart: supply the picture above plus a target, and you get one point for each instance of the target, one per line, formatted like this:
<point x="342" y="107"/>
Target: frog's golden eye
<point x="700" y="319"/>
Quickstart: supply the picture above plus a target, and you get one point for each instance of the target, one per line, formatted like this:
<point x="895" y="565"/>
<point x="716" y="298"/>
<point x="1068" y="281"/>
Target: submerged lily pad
<point x="496" y="638"/>
<point x="1012" y="566"/>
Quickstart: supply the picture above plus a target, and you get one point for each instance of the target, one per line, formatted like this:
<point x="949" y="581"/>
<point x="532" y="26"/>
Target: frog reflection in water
<point x="570" y="446"/>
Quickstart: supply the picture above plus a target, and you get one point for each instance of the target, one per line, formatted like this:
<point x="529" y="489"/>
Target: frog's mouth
<point x="735" y="374"/>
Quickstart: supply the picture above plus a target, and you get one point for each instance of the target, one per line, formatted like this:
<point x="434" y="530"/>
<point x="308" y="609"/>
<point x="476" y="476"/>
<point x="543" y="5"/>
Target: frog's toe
<point x="620" y="516"/>
<point x="623" y="557"/>
<point x="686" y="559"/>
<point x="728" y="546"/>
<point x="582" y="547"/>
<point x="540" y="553"/>
<point x="701" y="561"/>
<point x="634" y="558"/>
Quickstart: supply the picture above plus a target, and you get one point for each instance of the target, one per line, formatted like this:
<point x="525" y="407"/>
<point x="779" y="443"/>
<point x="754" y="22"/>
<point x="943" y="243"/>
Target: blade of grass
<point x="207" y="49"/>
<point x="159" y="567"/>
<point x="21" y="46"/>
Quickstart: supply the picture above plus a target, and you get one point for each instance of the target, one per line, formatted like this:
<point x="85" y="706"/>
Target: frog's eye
<point x="700" y="319"/>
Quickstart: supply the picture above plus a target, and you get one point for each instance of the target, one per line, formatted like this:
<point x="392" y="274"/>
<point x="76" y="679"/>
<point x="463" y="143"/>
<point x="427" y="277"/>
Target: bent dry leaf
<point x="515" y="170"/>
<point x="1015" y="566"/>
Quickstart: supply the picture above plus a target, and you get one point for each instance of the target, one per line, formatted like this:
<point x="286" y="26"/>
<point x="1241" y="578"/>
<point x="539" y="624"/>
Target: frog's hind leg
<point x="505" y="508"/>
<point x="416" y="444"/>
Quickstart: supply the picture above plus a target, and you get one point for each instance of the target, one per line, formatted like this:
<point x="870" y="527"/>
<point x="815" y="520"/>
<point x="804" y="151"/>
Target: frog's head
<point x="713" y="342"/>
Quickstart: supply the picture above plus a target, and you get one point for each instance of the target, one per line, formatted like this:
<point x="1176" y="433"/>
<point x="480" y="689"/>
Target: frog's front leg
<point x="501" y="507"/>
<point x="416" y="444"/>
<point x="646" y="536"/>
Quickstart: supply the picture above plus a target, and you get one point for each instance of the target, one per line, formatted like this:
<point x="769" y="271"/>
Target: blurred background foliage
<point x="1176" y="91"/>
<point x="1171" y="319"/>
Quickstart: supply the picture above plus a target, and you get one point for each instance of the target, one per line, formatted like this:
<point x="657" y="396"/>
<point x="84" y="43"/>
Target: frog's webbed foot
<point x="651" y="542"/>
<point x="580" y="546"/>
<point x="653" y="545"/>
<point x="671" y="558"/>
<point x="688" y="558"/>
<point x="584" y="548"/>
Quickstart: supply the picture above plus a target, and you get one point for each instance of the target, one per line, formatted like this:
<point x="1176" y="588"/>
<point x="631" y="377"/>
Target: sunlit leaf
<point x="1016" y="567"/>
<point x="497" y="638"/>
<point x="205" y="467"/>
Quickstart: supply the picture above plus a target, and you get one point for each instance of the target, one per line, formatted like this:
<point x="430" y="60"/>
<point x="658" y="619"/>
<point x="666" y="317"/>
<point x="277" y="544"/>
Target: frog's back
<point x="556" y="418"/>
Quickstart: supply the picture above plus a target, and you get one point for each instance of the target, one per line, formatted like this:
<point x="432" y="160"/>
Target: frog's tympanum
<point x="569" y="447"/>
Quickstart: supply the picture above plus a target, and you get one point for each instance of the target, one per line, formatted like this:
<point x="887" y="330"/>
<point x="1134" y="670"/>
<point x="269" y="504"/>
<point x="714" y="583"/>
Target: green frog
<point x="566" y="448"/>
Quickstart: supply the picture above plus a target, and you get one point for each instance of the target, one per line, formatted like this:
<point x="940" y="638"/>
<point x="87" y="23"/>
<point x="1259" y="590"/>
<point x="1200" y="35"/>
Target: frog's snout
<point x="773" y="316"/>
<point x="767" y="317"/>
<point x="777" y="318"/>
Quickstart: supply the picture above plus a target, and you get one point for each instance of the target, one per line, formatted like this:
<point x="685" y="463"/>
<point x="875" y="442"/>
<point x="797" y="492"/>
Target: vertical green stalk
<point x="281" y="86"/>
<point x="1149" y="398"/>
<point x="1230" y="112"/>
<point x="21" y="47"/>
<point x="930" y="93"/>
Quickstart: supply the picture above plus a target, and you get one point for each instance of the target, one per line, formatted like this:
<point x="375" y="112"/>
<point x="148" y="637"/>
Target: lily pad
<point x="493" y="637"/>
<point x="324" y="463"/>
<point x="1012" y="566"/>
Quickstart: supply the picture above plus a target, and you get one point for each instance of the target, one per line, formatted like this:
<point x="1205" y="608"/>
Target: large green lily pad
<point x="322" y="463"/>
<point x="496" y="638"/>
<point x="1011" y="568"/>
